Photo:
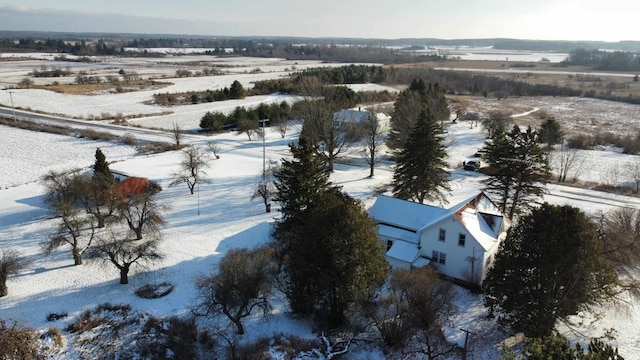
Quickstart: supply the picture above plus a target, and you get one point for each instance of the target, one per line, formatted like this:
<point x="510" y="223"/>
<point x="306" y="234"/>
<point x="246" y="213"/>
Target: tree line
<point x="235" y="91"/>
<point x="604" y="60"/>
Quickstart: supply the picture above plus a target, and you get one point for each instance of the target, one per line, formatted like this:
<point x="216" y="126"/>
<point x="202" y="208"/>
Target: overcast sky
<point x="608" y="20"/>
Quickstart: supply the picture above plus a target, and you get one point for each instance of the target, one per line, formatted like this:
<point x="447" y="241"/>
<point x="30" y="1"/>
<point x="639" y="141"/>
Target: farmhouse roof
<point x="401" y="219"/>
<point x="404" y="214"/>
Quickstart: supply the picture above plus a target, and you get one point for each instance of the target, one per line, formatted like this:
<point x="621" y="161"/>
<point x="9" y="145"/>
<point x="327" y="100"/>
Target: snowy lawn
<point x="203" y="227"/>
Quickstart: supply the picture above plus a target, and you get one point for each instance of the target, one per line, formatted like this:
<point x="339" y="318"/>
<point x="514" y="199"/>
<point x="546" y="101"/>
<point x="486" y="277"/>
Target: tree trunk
<point x="267" y="207"/>
<point x="124" y="275"/>
<point x="100" y="219"/>
<point x="4" y="290"/>
<point x="77" y="257"/>
<point x="371" y="167"/>
<point x="138" y="232"/>
<point x="239" y="327"/>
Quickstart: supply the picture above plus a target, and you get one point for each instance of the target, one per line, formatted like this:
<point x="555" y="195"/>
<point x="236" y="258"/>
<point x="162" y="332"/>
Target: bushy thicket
<point x="216" y="121"/>
<point x="630" y="144"/>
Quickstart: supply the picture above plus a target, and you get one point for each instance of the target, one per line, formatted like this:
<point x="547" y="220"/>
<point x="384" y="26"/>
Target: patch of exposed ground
<point x="577" y="115"/>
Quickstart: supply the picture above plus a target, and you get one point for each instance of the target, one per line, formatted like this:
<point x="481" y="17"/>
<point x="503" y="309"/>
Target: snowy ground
<point x="244" y="69"/>
<point x="202" y="227"/>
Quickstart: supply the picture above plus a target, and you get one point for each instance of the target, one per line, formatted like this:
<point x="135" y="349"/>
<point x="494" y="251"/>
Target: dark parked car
<point x="472" y="165"/>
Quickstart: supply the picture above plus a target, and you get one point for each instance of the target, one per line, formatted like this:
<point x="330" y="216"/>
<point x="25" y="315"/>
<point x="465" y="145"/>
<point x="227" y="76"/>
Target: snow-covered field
<point x="245" y="70"/>
<point x="202" y="228"/>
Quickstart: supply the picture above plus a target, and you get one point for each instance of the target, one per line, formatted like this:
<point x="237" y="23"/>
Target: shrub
<point x="154" y="291"/>
<point x="174" y="336"/>
<point x="96" y="135"/>
<point x="581" y="142"/>
<point x="17" y="342"/>
<point x="56" y="316"/>
<point x="52" y="338"/>
<point x="129" y="139"/>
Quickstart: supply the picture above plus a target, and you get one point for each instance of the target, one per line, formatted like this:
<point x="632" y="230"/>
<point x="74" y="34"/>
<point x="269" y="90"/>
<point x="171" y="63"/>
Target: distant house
<point x="460" y="241"/>
<point x="134" y="186"/>
<point x="356" y="116"/>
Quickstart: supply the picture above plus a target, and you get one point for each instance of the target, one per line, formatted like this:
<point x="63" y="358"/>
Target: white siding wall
<point x="457" y="264"/>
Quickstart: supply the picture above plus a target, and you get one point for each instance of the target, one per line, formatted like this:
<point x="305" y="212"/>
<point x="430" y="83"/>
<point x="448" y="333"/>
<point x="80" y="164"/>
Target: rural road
<point x="117" y="130"/>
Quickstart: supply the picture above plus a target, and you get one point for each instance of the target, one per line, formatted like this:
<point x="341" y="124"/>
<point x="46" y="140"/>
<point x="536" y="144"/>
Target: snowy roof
<point x="403" y="251"/>
<point x="481" y="202"/>
<point x="404" y="214"/>
<point x="421" y="262"/>
<point x="356" y="116"/>
<point x="401" y="219"/>
<point x="478" y="227"/>
<point x="397" y="233"/>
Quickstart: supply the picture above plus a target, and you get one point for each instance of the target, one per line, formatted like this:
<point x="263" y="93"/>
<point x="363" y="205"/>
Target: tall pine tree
<point x="519" y="169"/>
<point x="551" y="265"/>
<point x="336" y="259"/>
<point x="298" y="183"/>
<point x="299" y="180"/>
<point x="101" y="166"/>
<point x="410" y="104"/>
<point x="97" y="194"/>
<point x="420" y="172"/>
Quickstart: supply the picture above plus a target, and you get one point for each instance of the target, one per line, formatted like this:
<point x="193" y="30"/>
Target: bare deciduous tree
<point x="497" y="122"/>
<point x="176" y="133"/>
<point x="214" y="149"/>
<point x="417" y="306"/>
<point x="329" y="133"/>
<point x="634" y="171"/>
<point x="282" y="125"/>
<point x="566" y="160"/>
<point x="192" y="169"/>
<point x="374" y="138"/>
<point x="142" y="212"/>
<point x="11" y="263"/>
<point x="620" y="234"/>
<point x="121" y="251"/>
<point x="266" y="188"/>
<point x="240" y="285"/>
<point x="76" y="227"/>
<point x="249" y="127"/>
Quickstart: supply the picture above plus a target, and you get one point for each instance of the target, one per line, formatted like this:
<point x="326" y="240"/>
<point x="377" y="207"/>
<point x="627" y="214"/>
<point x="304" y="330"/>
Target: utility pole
<point x="466" y="342"/>
<point x="264" y="159"/>
<point x="12" y="107"/>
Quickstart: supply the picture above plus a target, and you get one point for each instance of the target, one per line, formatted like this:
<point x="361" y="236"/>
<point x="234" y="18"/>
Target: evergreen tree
<point x="410" y="105"/>
<point x="236" y="91"/>
<point x="97" y="194"/>
<point x="517" y="167"/>
<point x="557" y="347"/>
<point x="101" y="171"/>
<point x="420" y="172"/>
<point x="298" y="183"/>
<point x="299" y="180"/>
<point x="550" y="132"/>
<point x="550" y="266"/>
<point x="336" y="259"/>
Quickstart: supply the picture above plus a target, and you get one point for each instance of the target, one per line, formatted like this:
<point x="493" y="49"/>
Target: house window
<point x="439" y="257"/>
<point x="442" y="234"/>
<point x="462" y="238"/>
<point x="389" y="244"/>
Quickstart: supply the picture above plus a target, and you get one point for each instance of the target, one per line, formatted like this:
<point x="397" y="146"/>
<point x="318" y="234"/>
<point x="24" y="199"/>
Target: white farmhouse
<point x="460" y="241"/>
<point x="356" y="116"/>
